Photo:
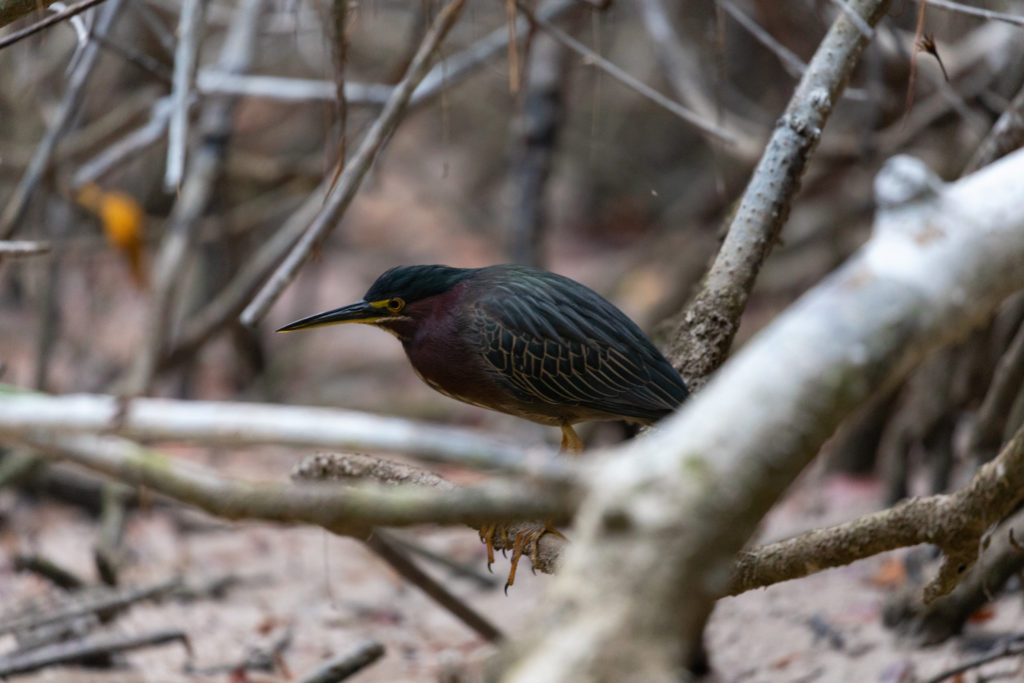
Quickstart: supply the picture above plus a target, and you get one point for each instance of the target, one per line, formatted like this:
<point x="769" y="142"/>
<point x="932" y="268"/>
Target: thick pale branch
<point x="656" y="537"/>
<point x="237" y="424"/>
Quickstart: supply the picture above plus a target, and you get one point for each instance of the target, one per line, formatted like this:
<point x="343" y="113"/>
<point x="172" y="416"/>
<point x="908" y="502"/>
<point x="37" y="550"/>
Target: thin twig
<point x="152" y="66"/>
<point x="341" y="667"/>
<point x="186" y="55"/>
<point x="49" y="21"/>
<point x="987" y="431"/>
<point x="19" y="248"/>
<point x="1011" y="647"/>
<point x="380" y="542"/>
<point x="513" y="47"/>
<point x="341" y="23"/>
<point x="793" y="64"/>
<point x="616" y="72"/>
<point x="1014" y="19"/>
<point x="84" y="649"/>
<point x="681" y="68"/>
<point x="127" y="147"/>
<point x="1005" y="136"/>
<point x="212" y="81"/>
<point x="482" y="579"/>
<point x="540" y="117"/>
<point x="456" y="67"/>
<point x="206" y="166"/>
<point x="105" y="605"/>
<point x="230" y="301"/>
<point x="348" y="183"/>
<point x="48" y="569"/>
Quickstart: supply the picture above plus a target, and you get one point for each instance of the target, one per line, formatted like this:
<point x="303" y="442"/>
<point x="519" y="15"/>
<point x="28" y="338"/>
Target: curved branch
<point x="955" y="523"/>
<point x="706" y="328"/>
<point x="344" y="510"/>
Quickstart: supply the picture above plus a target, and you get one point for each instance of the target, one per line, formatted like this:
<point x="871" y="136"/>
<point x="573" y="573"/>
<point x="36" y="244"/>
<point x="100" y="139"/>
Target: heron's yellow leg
<point x="572" y="444"/>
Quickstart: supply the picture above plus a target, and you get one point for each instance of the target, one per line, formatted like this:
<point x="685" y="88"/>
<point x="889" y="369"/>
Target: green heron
<point x="521" y="341"/>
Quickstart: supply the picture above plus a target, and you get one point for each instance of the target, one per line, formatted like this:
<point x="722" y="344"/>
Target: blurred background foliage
<point x="632" y="207"/>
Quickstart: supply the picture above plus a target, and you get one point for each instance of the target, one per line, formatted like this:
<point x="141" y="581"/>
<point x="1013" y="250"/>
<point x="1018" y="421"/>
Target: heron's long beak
<point x="359" y="312"/>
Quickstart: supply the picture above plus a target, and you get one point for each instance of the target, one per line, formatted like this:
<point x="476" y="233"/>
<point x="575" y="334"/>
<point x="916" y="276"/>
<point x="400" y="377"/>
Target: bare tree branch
<point x="253" y="423"/>
<point x="344" y="510"/>
<point x="49" y="21"/>
<point x="955" y="523"/>
<point x="213" y="81"/>
<point x="125" y="148"/>
<point x="1005" y="136"/>
<point x="656" y="536"/>
<point x="986" y="433"/>
<point x="706" y="328"/>
<point x="190" y="24"/>
<point x="355" y="467"/>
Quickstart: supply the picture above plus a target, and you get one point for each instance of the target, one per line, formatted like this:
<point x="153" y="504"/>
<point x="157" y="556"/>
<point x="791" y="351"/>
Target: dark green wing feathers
<point x="553" y="340"/>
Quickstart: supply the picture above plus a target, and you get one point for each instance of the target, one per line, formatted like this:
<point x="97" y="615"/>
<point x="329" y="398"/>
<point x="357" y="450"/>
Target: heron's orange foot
<point x="527" y="542"/>
<point x="487" y="535"/>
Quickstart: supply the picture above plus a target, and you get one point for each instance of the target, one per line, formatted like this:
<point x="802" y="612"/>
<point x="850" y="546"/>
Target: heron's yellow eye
<point x="395" y="305"/>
